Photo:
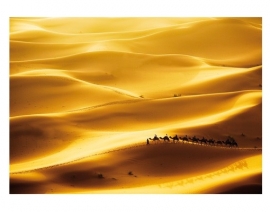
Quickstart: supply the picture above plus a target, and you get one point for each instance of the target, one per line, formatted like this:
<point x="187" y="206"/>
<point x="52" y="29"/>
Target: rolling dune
<point x="98" y="25"/>
<point x="148" y="167"/>
<point x="194" y="75"/>
<point x="225" y="45"/>
<point x="58" y="93"/>
<point x="86" y="93"/>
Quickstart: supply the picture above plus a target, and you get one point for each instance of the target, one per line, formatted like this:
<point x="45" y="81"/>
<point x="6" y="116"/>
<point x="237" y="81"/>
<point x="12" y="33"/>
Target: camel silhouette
<point x="233" y="143"/>
<point x="230" y="142"/>
<point x="194" y="139"/>
<point x="219" y="143"/>
<point x="175" y="138"/>
<point x="203" y="140"/>
<point x="185" y="138"/>
<point x="165" y="138"/>
<point x="211" y="141"/>
<point x="155" y="139"/>
<point x="227" y="143"/>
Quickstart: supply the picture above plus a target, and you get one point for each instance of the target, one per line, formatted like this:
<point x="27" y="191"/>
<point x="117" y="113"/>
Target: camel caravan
<point x="229" y="142"/>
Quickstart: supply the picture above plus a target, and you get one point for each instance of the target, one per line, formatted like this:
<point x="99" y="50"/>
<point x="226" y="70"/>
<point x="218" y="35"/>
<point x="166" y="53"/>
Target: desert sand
<point x="87" y="93"/>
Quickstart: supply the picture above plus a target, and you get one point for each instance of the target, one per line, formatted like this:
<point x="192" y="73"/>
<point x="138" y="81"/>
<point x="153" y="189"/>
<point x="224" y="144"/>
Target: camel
<point x="156" y="139"/>
<point x="230" y="142"/>
<point x="165" y="138"/>
<point x="219" y="143"/>
<point x="184" y="138"/>
<point x="227" y="143"/>
<point x="211" y="141"/>
<point x="233" y="143"/>
<point x="203" y="140"/>
<point x="194" y="139"/>
<point x="175" y="138"/>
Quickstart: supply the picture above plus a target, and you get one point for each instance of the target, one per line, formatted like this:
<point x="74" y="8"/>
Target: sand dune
<point x="36" y="34"/>
<point x="98" y="25"/>
<point x="142" y="118"/>
<point x="148" y="168"/>
<point x="92" y="61"/>
<point x="195" y="75"/>
<point x="86" y="93"/>
<point x="40" y="31"/>
<point x="220" y="40"/>
<point x="215" y="80"/>
<point x="57" y="94"/>
<point x="168" y="111"/>
<point x="20" y="51"/>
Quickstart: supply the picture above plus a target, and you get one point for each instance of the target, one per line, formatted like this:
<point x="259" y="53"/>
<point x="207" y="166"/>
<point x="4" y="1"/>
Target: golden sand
<point x="82" y="88"/>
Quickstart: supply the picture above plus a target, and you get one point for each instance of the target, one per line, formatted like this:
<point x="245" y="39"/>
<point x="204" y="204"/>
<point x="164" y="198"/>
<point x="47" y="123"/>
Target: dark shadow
<point x="245" y="189"/>
<point x="26" y="188"/>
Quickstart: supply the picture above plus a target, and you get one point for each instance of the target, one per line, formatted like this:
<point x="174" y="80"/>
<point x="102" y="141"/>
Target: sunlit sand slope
<point x="151" y="76"/>
<point x="82" y="87"/>
<point x="98" y="129"/>
<point x="58" y="93"/>
<point x="219" y="39"/>
<point x="168" y="168"/>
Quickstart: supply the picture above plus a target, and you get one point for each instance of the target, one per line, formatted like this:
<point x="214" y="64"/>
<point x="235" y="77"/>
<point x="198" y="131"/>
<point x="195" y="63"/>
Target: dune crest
<point x="55" y="94"/>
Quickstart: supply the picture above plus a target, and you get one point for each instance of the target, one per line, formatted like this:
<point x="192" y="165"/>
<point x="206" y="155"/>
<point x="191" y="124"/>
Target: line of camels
<point x="229" y="142"/>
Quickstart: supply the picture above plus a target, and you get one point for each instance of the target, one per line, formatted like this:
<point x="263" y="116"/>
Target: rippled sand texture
<point x="86" y="93"/>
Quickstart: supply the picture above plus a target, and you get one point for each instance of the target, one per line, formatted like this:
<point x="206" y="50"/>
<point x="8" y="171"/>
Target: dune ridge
<point x="86" y="93"/>
<point x="94" y="68"/>
<point x="131" y="160"/>
<point x="102" y="24"/>
<point x="27" y="28"/>
<point x="91" y="122"/>
<point x="45" y="97"/>
<point x="228" y="48"/>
